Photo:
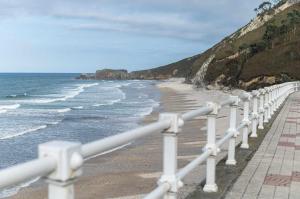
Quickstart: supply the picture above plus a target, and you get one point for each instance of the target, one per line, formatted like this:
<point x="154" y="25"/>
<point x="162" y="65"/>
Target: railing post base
<point x="212" y="188"/>
<point x="245" y="146"/>
<point x="171" y="196"/>
<point x="260" y="127"/>
<point x="231" y="162"/>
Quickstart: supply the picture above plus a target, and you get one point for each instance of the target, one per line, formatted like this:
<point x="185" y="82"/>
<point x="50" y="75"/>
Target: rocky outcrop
<point x="86" y="76"/>
<point x="109" y="74"/>
<point x="263" y="81"/>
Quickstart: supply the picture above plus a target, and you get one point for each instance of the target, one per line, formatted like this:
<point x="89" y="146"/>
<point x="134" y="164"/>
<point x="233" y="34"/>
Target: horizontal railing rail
<point x="60" y="162"/>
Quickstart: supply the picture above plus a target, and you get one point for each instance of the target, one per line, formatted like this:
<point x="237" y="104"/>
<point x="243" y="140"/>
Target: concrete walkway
<point x="274" y="170"/>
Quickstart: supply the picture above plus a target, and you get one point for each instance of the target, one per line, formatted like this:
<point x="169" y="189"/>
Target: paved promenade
<point x="274" y="170"/>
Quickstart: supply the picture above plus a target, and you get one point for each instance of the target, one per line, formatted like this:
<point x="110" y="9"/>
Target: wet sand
<point x="134" y="171"/>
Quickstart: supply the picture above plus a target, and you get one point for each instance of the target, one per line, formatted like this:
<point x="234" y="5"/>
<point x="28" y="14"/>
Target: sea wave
<point x="17" y="95"/>
<point x="140" y="86"/>
<point x="78" y="107"/>
<point x="114" y="101"/>
<point x="64" y="110"/>
<point x="5" y="108"/>
<point x="12" y="135"/>
<point x="9" y="107"/>
<point x="70" y="94"/>
<point x="147" y="110"/>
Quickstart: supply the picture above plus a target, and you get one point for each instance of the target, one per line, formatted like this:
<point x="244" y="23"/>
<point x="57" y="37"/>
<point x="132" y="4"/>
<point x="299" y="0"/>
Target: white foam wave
<point x="64" y="110"/>
<point x="23" y="132"/>
<point x="144" y="112"/>
<point x="140" y="86"/>
<point x="9" y="107"/>
<point x="78" y="107"/>
<point x="97" y="105"/>
<point x="5" y="108"/>
<point x="3" y="111"/>
<point x="126" y="84"/>
<point x="70" y="94"/>
<point x="154" y="103"/>
<point x="112" y="102"/>
<point x="148" y="110"/>
<point x="54" y="123"/>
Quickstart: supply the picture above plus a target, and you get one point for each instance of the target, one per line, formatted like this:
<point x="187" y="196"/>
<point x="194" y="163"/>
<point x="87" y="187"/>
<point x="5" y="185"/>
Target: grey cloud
<point x="184" y="19"/>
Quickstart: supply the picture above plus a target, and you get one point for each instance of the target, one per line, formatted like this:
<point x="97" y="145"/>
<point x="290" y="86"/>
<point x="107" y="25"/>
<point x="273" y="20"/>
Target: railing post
<point x="211" y="185"/>
<point x="246" y="98"/>
<point x="269" y="103"/>
<point x="266" y="106"/>
<point x="69" y="162"/>
<point x="276" y="97"/>
<point x="232" y="129"/>
<point x="255" y="95"/>
<point x="280" y="95"/>
<point x="170" y="139"/>
<point x="261" y="109"/>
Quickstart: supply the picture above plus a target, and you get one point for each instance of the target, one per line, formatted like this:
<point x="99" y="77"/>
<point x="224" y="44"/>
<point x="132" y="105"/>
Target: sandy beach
<point x="134" y="170"/>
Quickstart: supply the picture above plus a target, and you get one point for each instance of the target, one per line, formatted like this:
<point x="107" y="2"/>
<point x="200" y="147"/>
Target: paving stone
<point x="281" y="193"/>
<point x="267" y="192"/>
<point x="294" y="191"/>
<point x="234" y="195"/>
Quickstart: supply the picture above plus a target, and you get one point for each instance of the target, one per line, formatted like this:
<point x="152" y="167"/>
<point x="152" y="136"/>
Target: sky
<point x="86" y="35"/>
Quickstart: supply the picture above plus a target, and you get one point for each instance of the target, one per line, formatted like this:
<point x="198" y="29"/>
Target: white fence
<point x="60" y="162"/>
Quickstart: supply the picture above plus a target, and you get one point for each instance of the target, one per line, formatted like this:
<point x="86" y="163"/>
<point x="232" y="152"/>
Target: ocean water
<point x="36" y="108"/>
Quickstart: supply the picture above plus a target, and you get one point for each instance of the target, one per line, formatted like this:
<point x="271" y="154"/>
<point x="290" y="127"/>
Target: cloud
<point x="158" y="24"/>
<point x="182" y="19"/>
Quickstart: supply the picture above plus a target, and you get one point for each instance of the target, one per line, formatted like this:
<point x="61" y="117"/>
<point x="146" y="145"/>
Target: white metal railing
<point x="60" y="162"/>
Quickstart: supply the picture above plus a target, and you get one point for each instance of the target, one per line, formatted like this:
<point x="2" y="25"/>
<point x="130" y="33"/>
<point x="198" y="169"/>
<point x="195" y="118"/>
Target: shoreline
<point x="135" y="169"/>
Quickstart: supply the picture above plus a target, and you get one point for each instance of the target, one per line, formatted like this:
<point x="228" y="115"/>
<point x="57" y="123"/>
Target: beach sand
<point x="134" y="170"/>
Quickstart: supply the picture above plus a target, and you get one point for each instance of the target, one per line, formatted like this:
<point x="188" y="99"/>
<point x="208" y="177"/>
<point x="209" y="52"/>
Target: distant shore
<point x="135" y="169"/>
